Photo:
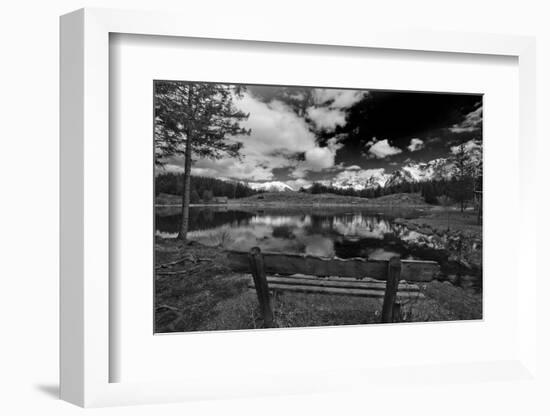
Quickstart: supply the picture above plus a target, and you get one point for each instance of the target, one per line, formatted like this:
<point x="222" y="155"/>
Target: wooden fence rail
<point x="347" y="277"/>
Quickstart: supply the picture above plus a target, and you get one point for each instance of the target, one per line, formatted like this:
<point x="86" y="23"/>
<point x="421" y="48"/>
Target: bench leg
<point x="390" y="312"/>
<point x="396" y="313"/>
<point x="257" y="269"/>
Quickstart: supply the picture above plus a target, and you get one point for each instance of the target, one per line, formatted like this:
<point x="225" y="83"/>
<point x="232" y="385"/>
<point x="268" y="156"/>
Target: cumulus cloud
<point x="352" y="167"/>
<point x="275" y="128"/>
<point x="233" y="169"/>
<point x="472" y="122"/>
<point x="297" y="96"/>
<point x="337" y="98"/>
<point x="432" y="140"/>
<point x="326" y="118"/>
<point x="277" y="135"/>
<point x="329" y="107"/>
<point x="281" y="137"/>
<point x="318" y="158"/>
<point x="381" y="148"/>
<point x="416" y="144"/>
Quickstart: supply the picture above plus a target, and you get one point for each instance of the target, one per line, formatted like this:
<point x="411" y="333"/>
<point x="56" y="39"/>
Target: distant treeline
<point x="203" y="189"/>
<point x="455" y="189"/>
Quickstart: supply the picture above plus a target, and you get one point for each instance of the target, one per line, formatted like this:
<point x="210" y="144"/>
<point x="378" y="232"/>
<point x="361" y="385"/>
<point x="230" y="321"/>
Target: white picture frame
<point x="85" y="163"/>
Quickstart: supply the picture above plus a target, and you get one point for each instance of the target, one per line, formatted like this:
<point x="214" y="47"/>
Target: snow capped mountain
<point x="274" y="186"/>
<point x="410" y="172"/>
<point x="436" y="169"/>
<point x="399" y="176"/>
<point x="359" y="179"/>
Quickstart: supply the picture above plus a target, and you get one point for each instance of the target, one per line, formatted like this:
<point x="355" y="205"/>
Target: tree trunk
<point x="479" y="210"/>
<point x="186" y="192"/>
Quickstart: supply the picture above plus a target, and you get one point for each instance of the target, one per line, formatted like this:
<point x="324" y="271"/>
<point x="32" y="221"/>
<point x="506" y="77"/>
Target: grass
<point x="292" y="310"/>
<point x="206" y="295"/>
<point x="441" y="219"/>
<point x="187" y="293"/>
<point x="302" y="198"/>
<point x="463" y="241"/>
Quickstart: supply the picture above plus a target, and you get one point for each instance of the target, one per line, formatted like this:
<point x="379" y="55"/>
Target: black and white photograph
<point x="209" y="205"/>
<point x="292" y="206"/>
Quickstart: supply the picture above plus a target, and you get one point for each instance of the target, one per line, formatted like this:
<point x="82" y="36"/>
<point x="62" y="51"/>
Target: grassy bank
<point x="440" y="220"/>
<point x="306" y="199"/>
<point x="461" y="236"/>
<point x="196" y="291"/>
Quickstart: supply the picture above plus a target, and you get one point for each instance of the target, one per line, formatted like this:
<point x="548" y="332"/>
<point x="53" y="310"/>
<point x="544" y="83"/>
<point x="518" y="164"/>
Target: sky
<point x="300" y="135"/>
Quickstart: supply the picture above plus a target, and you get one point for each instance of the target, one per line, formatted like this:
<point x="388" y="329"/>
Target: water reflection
<point x="353" y="234"/>
<point x="317" y="232"/>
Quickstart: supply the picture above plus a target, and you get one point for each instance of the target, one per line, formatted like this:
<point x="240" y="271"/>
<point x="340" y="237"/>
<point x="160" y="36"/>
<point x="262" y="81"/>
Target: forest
<point x="203" y="189"/>
<point x="457" y="189"/>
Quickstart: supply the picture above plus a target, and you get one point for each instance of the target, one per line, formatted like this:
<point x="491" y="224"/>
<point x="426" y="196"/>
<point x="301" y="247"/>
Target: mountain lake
<point x="328" y="231"/>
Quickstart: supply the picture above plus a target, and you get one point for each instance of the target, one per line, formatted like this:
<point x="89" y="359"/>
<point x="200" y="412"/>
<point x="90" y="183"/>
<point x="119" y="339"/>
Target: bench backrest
<point x="287" y="264"/>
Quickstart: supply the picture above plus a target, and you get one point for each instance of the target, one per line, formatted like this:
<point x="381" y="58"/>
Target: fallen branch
<point x="172" y="263"/>
<point x="183" y="260"/>
<point x="191" y="269"/>
<point x="179" y="316"/>
<point x="164" y="306"/>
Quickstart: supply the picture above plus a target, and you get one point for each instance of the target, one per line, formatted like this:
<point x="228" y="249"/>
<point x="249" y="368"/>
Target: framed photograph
<point x="332" y="199"/>
<point x="237" y="211"/>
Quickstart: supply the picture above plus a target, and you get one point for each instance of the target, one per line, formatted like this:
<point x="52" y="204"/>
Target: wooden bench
<point x="393" y="280"/>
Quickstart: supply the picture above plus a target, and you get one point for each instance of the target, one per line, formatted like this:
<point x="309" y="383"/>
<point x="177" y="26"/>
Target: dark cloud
<point x="301" y="134"/>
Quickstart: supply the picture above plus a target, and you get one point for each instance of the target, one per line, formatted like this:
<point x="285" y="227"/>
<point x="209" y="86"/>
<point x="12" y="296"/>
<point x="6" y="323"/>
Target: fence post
<point x="257" y="269"/>
<point x="392" y="282"/>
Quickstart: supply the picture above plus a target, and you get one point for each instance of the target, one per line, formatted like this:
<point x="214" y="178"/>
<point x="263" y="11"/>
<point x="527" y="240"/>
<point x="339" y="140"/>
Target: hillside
<point x="167" y="199"/>
<point x="401" y="199"/>
<point x="301" y="198"/>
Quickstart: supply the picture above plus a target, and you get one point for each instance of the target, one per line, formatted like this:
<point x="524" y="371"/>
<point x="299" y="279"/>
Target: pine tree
<point x="195" y="120"/>
<point x="207" y="196"/>
<point x="462" y="189"/>
<point x="194" y="198"/>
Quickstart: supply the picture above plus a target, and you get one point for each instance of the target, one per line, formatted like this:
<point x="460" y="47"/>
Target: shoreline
<point x="463" y="241"/>
<point x="197" y="291"/>
<point x="290" y="205"/>
<point x="280" y="199"/>
<point x="300" y="204"/>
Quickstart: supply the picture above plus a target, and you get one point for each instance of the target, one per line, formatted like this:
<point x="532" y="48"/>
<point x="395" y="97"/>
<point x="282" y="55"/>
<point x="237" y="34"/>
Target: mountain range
<point x="274" y="186"/>
<point x="373" y="178"/>
<point x="359" y="179"/>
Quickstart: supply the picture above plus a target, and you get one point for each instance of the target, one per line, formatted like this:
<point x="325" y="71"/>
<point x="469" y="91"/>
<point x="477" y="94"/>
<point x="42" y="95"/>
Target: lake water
<point x="321" y="232"/>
